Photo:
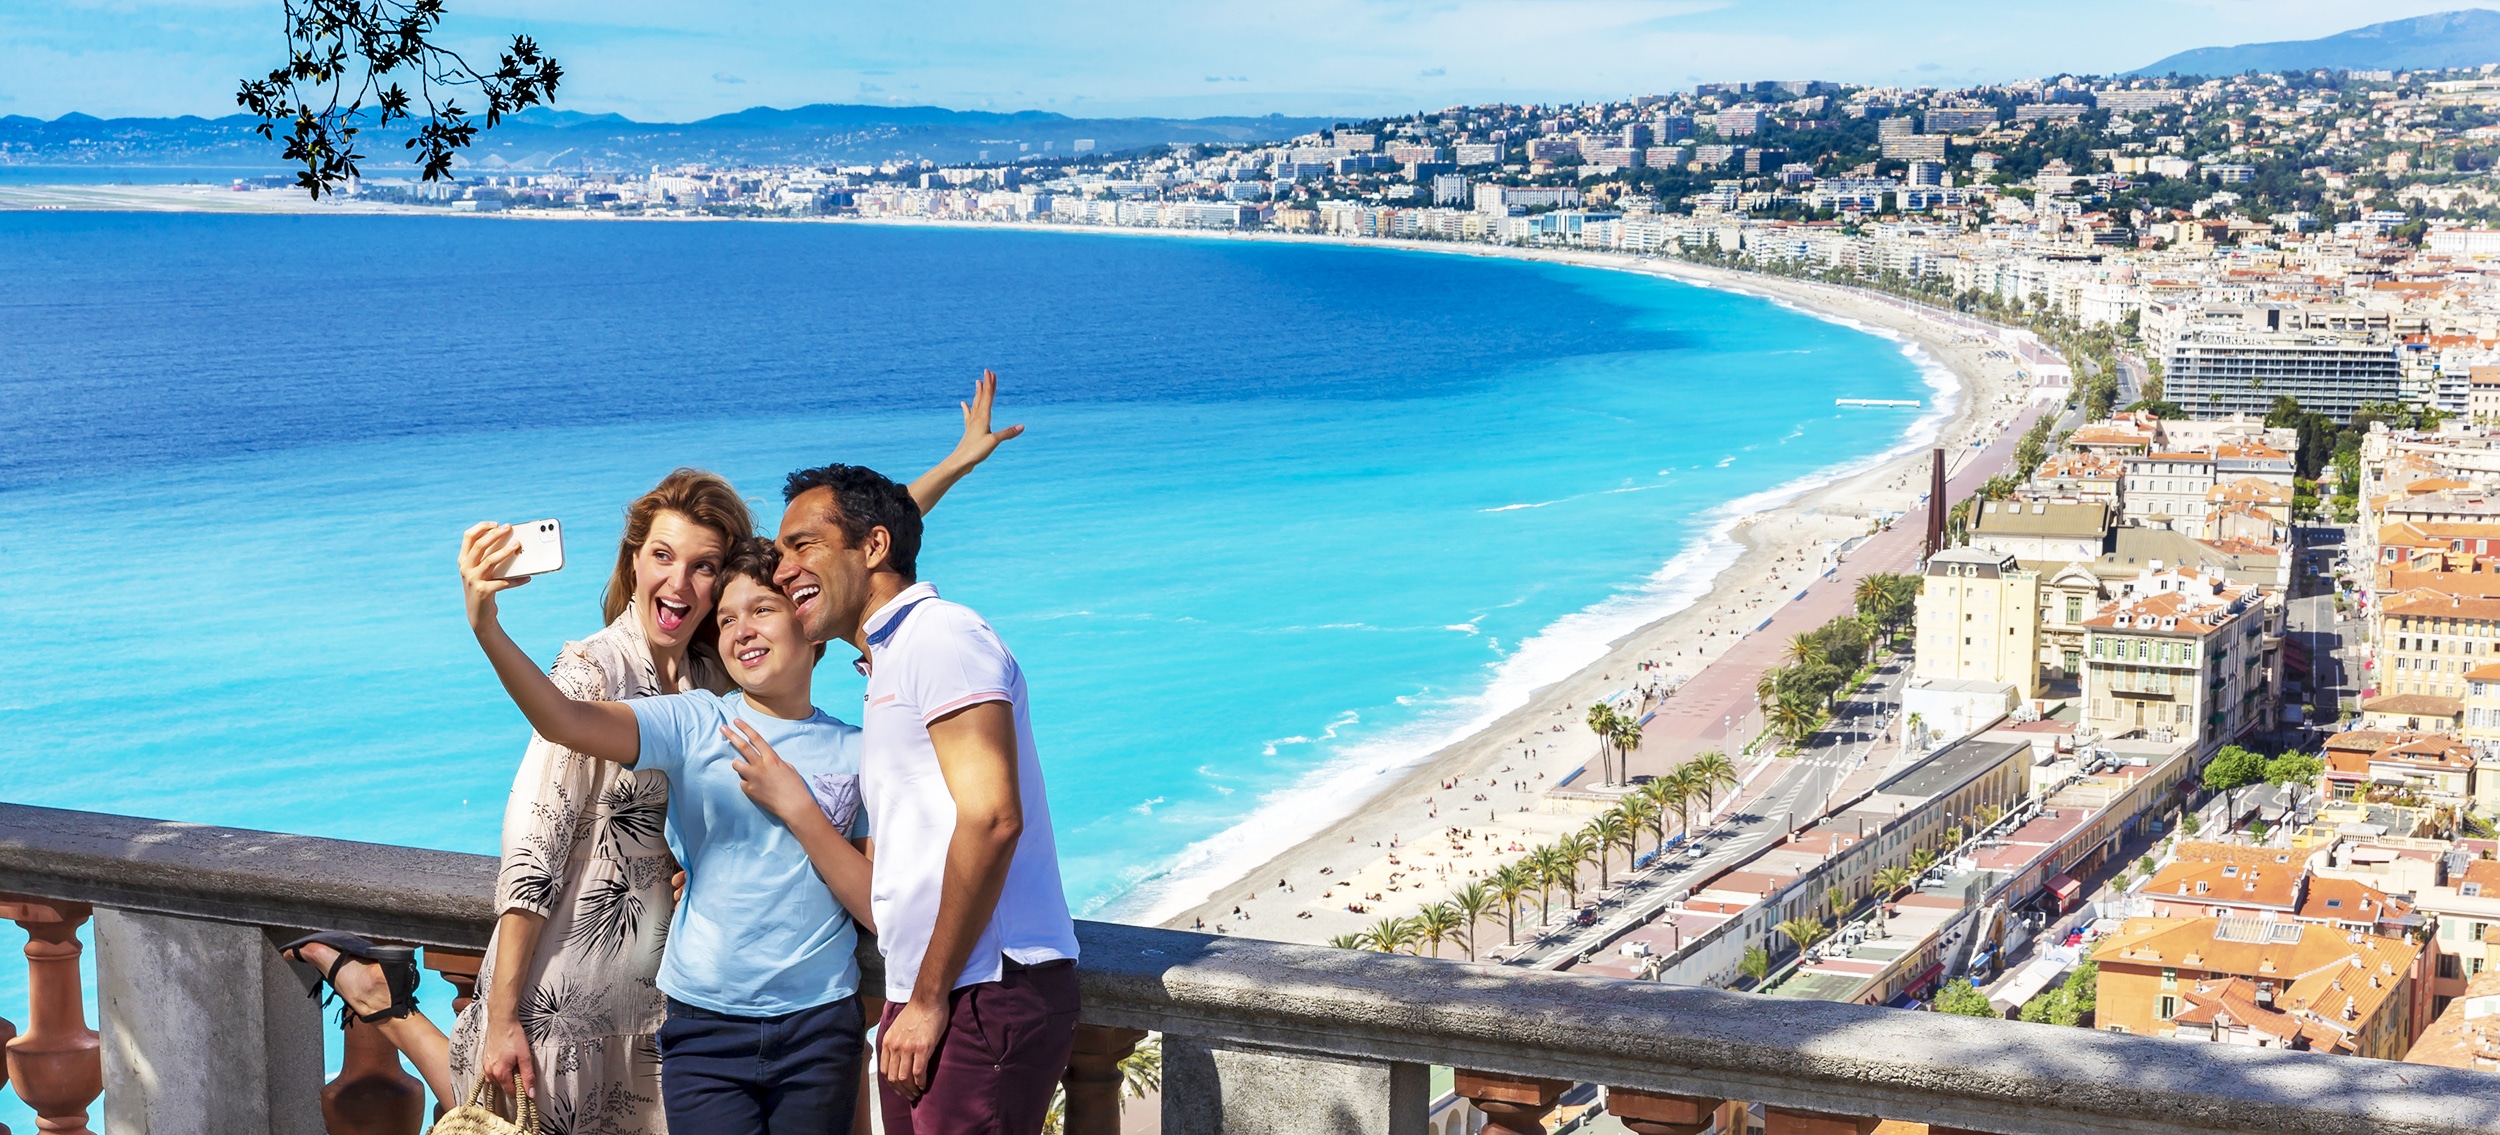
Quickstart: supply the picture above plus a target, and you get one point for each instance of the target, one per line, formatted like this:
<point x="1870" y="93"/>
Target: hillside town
<point x="2187" y="722"/>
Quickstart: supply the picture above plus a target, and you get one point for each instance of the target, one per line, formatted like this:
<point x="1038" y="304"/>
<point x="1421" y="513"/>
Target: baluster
<point x="373" y="1095"/>
<point x="1512" y="1105"/>
<point x="8" y="1032"/>
<point x="1656" y="1113"/>
<point x="459" y="967"/>
<point x="1093" y="1079"/>
<point x="1797" y="1121"/>
<point x="57" y="1065"/>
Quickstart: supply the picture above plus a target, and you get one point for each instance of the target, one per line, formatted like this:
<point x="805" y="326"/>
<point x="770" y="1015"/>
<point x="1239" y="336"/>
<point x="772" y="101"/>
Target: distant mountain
<point x="543" y="139"/>
<point x="2466" y="38"/>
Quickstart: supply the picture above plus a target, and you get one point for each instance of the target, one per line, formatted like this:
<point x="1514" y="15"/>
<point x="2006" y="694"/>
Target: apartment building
<point x="1979" y="620"/>
<point x="2068" y="596"/>
<point x="2213" y="373"/>
<point x="2179" y="654"/>
<point x="2271" y="984"/>
<point x="2169" y="490"/>
<point x="2464" y="908"/>
<point x="2041" y="532"/>
<point x="2428" y="640"/>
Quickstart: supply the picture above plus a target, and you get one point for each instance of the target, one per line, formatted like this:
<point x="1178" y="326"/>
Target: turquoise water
<point x="1286" y="516"/>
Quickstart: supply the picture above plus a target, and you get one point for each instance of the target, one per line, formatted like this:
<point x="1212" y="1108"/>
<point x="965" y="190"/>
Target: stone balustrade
<point x="205" y="1031"/>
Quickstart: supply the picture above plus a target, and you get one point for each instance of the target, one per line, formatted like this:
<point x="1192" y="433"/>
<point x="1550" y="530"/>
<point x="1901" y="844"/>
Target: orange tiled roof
<point x="2225" y="873"/>
<point x="2250" y="490"/>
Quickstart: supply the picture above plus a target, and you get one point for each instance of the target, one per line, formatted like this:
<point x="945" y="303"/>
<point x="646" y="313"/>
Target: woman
<point x="584" y="892"/>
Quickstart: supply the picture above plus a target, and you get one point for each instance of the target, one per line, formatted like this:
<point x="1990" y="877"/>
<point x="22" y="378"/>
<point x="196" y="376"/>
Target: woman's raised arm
<point x="605" y="730"/>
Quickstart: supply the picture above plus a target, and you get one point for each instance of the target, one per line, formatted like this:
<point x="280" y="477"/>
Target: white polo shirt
<point x="929" y="658"/>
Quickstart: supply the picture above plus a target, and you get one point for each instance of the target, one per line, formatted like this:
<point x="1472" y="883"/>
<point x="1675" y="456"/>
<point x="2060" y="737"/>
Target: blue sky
<point x="678" y="60"/>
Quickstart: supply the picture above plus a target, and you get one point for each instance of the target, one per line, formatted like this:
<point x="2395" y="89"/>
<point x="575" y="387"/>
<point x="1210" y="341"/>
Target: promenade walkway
<point x="1719" y="700"/>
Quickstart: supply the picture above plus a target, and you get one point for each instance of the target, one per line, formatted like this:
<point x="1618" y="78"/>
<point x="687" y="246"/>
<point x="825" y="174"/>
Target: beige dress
<point x="585" y="847"/>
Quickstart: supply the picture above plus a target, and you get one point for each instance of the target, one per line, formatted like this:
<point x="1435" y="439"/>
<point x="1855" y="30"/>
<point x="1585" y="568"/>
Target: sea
<point x="1286" y="517"/>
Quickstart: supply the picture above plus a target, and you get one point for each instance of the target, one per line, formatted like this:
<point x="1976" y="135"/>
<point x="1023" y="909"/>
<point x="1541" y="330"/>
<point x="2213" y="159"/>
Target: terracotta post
<point x="1093" y="1078"/>
<point x="1656" y="1113"/>
<point x="1793" y="1121"/>
<point x="373" y="1095"/>
<point x="58" y="1063"/>
<point x="459" y="967"/>
<point x="1512" y="1105"/>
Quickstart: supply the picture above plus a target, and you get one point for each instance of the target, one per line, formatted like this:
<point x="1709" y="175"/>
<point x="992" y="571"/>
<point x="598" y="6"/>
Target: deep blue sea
<point x="1286" y="516"/>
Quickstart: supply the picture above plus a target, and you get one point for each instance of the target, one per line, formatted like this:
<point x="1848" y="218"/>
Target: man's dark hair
<point x="865" y="499"/>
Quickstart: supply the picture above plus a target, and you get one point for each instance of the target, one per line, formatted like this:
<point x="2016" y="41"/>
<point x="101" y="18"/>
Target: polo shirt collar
<point x="880" y="622"/>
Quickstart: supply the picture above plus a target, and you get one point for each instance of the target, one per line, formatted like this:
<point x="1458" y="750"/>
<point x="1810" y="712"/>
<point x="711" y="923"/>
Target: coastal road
<point x="1698" y="716"/>
<point x="1799" y="791"/>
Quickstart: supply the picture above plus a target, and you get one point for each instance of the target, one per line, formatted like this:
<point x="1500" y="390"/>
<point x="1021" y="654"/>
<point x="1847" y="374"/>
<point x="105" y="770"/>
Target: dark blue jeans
<point x="795" y="1074"/>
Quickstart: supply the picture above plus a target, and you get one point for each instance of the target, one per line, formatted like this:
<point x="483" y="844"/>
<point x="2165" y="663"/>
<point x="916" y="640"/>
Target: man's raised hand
<point x="979" y="441"/>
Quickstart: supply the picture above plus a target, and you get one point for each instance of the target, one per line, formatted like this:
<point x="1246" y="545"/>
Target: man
<point x="980" y="954"/>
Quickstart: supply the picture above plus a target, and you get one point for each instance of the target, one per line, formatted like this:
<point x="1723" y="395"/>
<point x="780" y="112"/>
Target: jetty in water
<point x="1911" y="403"/>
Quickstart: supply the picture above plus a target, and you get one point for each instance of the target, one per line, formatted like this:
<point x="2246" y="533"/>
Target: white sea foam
<point x="1358" y="773"/>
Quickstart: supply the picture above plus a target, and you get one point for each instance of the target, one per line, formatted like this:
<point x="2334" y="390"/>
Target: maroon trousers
<point x="1005" y="1049"/>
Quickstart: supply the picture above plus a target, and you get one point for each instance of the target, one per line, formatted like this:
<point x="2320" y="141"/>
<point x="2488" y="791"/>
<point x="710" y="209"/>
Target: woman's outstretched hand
<point x="979" y="441"/>
<point x="486" y="549"/>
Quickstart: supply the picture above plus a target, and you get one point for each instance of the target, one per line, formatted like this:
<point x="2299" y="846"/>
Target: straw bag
<point x="480" y="1115"/>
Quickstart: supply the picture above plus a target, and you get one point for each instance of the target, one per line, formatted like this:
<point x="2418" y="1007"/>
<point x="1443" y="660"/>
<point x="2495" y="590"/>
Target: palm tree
<point x="1347" y="942"/>
<point x="1766" y="689"/>
<point x="1805" y="932"/>
<point x="1837" y="898"/>
<point x="1556" y="868"/>
<point x="1574" y="851"/>
<point x="1609" y="831"/>
<point x="1471" y="902"/>
<point x="1389" y="935"/>
<point x="1627" y="741"/>
<point x="1510" y="884"/>
<point x="1436" y="924"/>
<point x="1639" y="811"/>
<point x="1893" y="880"/>
<point x="1921" y="860"/>
<point x="1805" y="647"/>
<point x="1989" y="814"/>
<point x="1602" y="721"/>
<point x="1792" y="719"/>
<point x="1714" y="771"/>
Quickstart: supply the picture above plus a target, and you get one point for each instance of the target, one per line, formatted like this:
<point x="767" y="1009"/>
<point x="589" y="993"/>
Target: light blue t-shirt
<point x="758" y="934"/>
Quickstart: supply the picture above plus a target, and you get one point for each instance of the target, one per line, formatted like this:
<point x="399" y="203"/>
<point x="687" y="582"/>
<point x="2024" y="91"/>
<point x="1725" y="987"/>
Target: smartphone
<point x="542" y="549"/>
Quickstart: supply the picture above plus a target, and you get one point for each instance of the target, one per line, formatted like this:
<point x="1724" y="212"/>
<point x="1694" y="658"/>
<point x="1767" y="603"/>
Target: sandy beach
<point x="1462" y="811"/>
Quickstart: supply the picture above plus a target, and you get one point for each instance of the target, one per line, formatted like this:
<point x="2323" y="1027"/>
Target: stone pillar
<point x="1221" y="1088"/>
<point x="373" y="1095"/>
<point x="54" y="1064"/>
<point x="1512" y="1105"/>
<point x="205" y="1029"/>
<point x="1794" y="1121"/>
<point x="1656" y="1113"/>
<point x="1093" y="1078"/>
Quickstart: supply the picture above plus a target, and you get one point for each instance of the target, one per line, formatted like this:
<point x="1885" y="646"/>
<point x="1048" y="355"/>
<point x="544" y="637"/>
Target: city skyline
<point x="640" y="60"/>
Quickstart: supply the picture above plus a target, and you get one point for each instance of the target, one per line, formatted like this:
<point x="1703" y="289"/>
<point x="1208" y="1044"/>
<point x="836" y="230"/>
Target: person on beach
<point x="764" y="1026"/>
<point x="582" y="838"/>
<point x="980" y="953"/>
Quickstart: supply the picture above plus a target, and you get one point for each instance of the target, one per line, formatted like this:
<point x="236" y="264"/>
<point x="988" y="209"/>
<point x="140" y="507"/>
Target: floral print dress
<point x="585" y="847"/>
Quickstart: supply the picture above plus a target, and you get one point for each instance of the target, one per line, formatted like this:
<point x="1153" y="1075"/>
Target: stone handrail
<point x="1261" y="1029"/>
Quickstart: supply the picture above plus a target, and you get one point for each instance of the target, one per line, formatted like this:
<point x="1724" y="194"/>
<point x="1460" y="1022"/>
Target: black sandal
<point x="399" y="973"/>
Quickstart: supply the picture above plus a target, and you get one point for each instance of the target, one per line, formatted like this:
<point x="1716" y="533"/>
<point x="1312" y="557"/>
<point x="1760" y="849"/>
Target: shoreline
<point x="1678" y="619"/>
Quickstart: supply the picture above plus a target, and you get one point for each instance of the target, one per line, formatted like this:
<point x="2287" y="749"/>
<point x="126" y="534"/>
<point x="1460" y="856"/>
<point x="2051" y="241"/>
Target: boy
<point x="764" y="1023"/>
